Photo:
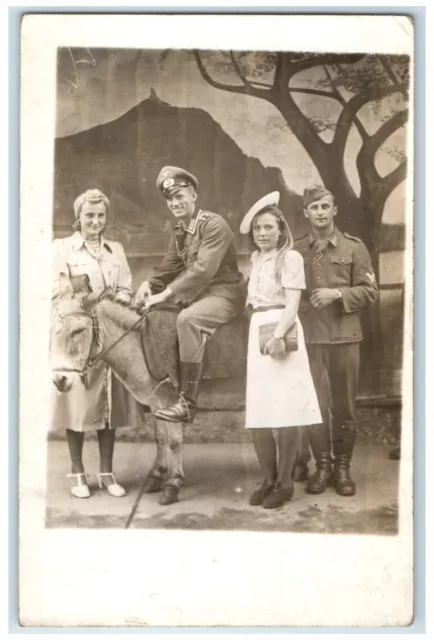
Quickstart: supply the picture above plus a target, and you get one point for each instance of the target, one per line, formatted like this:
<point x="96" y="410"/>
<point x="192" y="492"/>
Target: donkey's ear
<point x="65" y="288"/>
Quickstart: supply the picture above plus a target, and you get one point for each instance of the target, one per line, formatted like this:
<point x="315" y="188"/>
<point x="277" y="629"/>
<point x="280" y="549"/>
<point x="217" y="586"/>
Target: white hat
<point x="270" y="200"/>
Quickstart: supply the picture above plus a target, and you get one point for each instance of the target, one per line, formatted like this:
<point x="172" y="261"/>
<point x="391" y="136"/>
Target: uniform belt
<point x="275" y="306"/>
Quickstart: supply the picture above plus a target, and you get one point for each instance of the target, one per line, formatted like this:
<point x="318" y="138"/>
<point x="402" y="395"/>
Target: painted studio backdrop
<point x="245" y="124"/>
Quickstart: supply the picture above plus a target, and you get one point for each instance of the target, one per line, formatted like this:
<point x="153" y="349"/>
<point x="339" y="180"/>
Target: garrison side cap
<point x="314" y="193"/>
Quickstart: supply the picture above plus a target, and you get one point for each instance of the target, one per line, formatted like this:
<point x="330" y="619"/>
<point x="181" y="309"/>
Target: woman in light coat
<point x="82" y="409"/>
<point x="280" y="392"/>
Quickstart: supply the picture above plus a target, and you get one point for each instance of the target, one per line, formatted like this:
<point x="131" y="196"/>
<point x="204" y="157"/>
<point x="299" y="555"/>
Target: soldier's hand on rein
<point x="321" y="298"/>
<point x="143" y="292"/>
<point x="275" y="347"/>
<point x="151" y="301"/>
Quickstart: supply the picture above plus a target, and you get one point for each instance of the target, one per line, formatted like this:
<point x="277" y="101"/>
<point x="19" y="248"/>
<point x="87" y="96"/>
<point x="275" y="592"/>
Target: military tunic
<point x="333" y="334"/>
<point x="202" y="270"/>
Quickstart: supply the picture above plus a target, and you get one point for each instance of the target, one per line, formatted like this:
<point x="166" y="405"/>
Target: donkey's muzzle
<point x="62" y="381"/>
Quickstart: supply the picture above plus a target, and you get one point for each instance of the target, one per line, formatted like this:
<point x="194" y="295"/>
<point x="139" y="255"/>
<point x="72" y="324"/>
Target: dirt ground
<point x="219" y="479"/>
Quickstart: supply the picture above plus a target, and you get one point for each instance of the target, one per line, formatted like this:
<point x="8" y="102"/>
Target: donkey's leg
<point x="159" y="467"/>
<point x="176" y="473"/>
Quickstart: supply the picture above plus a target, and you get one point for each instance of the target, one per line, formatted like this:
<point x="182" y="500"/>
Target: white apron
<point x="280" y="392"/>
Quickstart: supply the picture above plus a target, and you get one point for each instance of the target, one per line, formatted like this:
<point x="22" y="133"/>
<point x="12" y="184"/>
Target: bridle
<point x="93" y="356"/>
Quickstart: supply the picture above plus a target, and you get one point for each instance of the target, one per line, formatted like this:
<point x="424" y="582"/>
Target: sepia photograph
<point x="228" y="306"/>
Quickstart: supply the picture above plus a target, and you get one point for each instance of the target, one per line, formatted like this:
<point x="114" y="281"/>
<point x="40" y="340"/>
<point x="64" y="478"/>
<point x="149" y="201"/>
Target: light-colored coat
<point x="86" y="409"/>
<point x="72" y="257"/>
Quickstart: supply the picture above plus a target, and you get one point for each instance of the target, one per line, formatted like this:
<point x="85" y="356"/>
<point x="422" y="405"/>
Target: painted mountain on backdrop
<point x="124" y="157"/>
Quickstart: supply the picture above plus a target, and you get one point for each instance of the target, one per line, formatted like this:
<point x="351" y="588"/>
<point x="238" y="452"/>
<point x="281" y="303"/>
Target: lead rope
<point x="92" y="361"/>
<point x="99" y="356"/>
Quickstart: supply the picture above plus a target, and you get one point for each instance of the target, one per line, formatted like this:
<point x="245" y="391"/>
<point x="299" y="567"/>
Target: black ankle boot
<point x="343" y="448"/>
<point x="185" y="409"/>
<point x="319" y="440"/>
<point x="319" y="481"/>
<point x="345" y="485"/>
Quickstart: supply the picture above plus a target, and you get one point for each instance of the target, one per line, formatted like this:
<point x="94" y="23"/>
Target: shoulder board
<point x="350" y="237"/>
<point x="204" y="215"/>
<point x="301" y="237"/>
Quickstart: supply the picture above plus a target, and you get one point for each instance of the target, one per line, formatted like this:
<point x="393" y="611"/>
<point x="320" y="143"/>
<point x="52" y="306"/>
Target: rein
<point x="92" y="361"/>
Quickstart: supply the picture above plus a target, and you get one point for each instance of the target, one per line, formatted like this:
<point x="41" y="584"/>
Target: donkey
<point x="85" y="329"/>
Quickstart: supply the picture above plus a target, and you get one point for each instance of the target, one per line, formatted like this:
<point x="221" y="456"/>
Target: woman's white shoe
<point x="114" y="489"/>
<point x="80" y="489"/>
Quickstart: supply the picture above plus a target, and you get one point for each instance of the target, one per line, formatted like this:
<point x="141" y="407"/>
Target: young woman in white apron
<point x="280" y="393"/>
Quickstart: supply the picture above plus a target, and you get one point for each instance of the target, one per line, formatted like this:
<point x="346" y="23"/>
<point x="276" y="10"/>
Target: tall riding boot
<point x="185" y="409"/>
<point x="320" y="443"/>
<point x="343" y="444"/>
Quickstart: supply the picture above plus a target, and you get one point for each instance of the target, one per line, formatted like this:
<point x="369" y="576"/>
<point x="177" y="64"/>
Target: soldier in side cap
<point x="200" y="271"/>
<point x="340" y="282"/>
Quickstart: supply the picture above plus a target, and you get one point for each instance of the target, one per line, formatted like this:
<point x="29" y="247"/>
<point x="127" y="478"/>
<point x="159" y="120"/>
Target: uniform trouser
<point x="339" y="365"/>
<point x="197" y="323"/>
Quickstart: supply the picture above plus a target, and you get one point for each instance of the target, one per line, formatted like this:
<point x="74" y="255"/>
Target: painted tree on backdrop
<point x="364" y="97"/>
<point x="369" y="96"/>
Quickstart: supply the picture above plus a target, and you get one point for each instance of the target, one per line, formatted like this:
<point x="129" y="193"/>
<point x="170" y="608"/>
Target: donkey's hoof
<point x="169" y="496"/>
<point x="153" y="485"/>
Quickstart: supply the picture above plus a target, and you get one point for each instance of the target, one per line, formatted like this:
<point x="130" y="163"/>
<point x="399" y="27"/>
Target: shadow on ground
<point x="219" y="479"/>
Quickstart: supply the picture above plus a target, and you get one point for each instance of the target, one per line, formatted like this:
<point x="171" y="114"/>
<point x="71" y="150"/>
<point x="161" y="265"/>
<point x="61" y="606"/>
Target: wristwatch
<point x="339" y="294"/>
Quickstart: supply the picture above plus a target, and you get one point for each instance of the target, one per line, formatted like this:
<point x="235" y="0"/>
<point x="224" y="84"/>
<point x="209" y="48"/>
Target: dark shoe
<point x="395" y="453"/>
<point x="343" y="447"/>
<point x="301" y="472"/>
<point x="185" y="409"/>
<point x="153" y="484"/>
<point x="170" y="495"/>
<point x="345" y="486"/>
<point x="259" y="494"/>
<point x="278" y="497"/>
<point x="319" y="481"/>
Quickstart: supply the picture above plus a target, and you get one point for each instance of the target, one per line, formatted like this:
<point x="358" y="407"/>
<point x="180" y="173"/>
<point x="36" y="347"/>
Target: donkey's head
<point x="73" y="333"/>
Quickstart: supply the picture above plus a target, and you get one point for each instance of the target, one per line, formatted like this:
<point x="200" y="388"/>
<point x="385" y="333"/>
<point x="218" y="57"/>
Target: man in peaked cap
<point x="340" y="282"/>
<point x="200" y="271"/>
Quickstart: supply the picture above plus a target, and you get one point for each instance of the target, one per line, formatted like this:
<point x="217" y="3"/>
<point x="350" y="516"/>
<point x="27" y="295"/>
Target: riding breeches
<point x="198" y="322"/>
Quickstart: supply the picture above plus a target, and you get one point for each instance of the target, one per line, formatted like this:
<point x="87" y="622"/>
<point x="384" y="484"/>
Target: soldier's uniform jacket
<point x="200" y="260"/>
<point x="344" y="263"/>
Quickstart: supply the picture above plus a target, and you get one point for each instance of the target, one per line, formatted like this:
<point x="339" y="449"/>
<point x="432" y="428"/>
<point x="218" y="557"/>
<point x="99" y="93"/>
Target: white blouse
<point x="263" y="290"/>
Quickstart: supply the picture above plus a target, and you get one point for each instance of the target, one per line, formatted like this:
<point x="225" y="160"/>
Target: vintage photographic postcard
<point x="216" y="272"/>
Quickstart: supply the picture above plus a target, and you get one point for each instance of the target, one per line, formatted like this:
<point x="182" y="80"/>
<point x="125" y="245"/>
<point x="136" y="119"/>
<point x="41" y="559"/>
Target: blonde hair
<point x="285" y="242"/>
<point x="93" y="196"/>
